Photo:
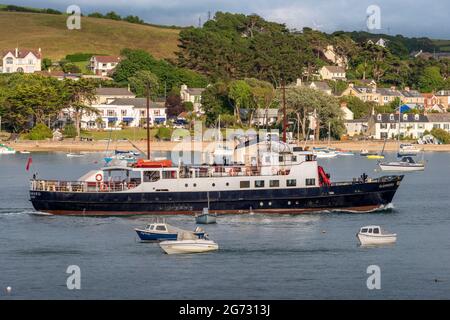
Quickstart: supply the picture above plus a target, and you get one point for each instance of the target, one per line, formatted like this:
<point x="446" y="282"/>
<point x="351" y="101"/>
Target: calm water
<point x="260" y="257"/>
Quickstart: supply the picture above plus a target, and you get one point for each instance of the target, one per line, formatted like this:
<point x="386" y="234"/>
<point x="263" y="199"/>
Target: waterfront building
<point x="193" y="95"/>
<point x="103" y="65"/>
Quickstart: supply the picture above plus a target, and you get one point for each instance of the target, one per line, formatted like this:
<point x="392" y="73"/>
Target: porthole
<point x="186" y="185"/>
<point x="213" y="184"/>
<point x="289" y="203"/>
<point x="227" y="184"/>
<point x="296" y="202"/>
<point x="270" y="203"/>
<point x="195" y="185"/>
<point x="261" y="204"/>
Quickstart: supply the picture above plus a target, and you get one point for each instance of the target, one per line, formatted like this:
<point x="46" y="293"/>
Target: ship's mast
<point x="148" y="121"/>
<point x="283" y="88"/>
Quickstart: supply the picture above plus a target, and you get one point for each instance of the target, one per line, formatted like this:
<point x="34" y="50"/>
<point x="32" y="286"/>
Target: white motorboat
<point x="407" y="149"/>
<point x="188" y="244"/>
<point x="325" y="154"/>
<point x="4" y="149"/>
<point x="374" y="235"/>
<point x="407" y="164"/>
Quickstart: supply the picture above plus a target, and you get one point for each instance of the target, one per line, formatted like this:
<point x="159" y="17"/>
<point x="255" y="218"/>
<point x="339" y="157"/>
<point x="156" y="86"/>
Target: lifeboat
<point x="141" y="163"/>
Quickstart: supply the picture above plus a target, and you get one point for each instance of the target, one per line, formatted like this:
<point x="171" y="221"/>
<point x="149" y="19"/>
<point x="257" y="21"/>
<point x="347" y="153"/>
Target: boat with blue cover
<point x="163" y="232"/>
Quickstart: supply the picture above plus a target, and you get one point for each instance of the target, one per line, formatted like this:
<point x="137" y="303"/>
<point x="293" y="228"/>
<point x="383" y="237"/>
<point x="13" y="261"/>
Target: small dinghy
<point x="407" y="164"/>
<point x="205" y="217"/>
<point x="163" y="231"/>
<point x="4" y="149"/>
<point x="374" y="235"/>
<point x="187" y="243"/>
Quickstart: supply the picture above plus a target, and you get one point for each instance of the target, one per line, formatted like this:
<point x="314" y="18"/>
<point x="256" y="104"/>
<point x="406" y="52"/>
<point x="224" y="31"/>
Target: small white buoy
<point x="8" y="290"/>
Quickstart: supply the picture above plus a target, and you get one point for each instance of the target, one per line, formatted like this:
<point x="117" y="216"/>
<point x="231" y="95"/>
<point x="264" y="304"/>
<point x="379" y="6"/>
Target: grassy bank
<point x="49" y="32"/>
<point x="134" y="134"/>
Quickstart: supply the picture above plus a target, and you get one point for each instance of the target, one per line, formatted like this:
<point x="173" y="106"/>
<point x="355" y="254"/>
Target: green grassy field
<point x="103" y="36"/>
<point x="444" y="45"/>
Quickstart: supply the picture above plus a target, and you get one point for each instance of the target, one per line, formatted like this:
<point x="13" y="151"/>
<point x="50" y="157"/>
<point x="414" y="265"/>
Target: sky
<point x="407" y="17"/>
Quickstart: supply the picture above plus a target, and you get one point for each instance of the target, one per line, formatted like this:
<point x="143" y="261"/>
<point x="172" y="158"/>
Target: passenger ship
<point x="288" y="182"/>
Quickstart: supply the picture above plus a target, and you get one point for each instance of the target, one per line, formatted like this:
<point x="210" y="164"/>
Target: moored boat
<point x="289" y="182"/>
<point x="4" y="149"/>
<point x="205" y="217"/>
<point x="188" y="245"/>
<point x="407" y="149"/>
<point x="163" y="231"/>
<point x="406" y="164"/>
<point x="374" y="235"/>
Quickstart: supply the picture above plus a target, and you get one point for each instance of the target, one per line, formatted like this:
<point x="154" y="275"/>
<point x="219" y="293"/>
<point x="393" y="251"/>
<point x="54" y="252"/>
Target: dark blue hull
<point x="150" y="236"/>
<point x="356" y="196"/>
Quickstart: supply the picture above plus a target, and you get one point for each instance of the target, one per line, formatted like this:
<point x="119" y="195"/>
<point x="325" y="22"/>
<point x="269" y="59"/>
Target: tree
<point x="305" y="101"/>
<point x="262" y="94"/>
<point x="79" y="96"/>
<point x="142" y="80"/>
<point x="241" y="95"/>
<point x="215" y="102"/>
<point x="431" y="80"/>
<point x="174" y="106"/>
<point x="358" y="107"/>
<point x="46" y="63"/>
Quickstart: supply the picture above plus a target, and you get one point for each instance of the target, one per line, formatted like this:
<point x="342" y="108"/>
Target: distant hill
<point x="100" y="36"/>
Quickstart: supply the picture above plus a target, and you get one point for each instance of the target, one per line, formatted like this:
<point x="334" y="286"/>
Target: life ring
<point x="103" y="186"/>
<point x="99" y="177"/>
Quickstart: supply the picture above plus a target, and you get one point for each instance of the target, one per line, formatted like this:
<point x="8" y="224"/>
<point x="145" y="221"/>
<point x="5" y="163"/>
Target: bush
<point x="40" y="132"/>
<point x="70" y="131"/>
<point x="442" y="135"/>
<point x="164" y="134"/>
<point x="79" y="57"/>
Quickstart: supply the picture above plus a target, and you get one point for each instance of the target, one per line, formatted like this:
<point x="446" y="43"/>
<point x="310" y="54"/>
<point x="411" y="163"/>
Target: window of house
<point x="379" y="117"/>
<point x="421" y="126"/>
<point x="416" y="117"/>
<point x="30" y="61"/>
<point x="291" y="183"/>
<point x="446" y="126"/>
<point x="110" y="113"/>
<point x="245" y="184"/>
<point x="383" y="126"/>
<point x="142" y="113"/>
<point x="393" y="126"/>
<point x="124" y="112"/>
<point x="259" y="184"/>
<point x="9" y="60"/>
<point x="274" y="183"/>
<point x="436" y="126"/>
<point x="310" y="182"/>
<point x="405" y="117"/>
<point x="157" y="112"/>
<point x="383" y="135"/>
<point x="391" y="117"/>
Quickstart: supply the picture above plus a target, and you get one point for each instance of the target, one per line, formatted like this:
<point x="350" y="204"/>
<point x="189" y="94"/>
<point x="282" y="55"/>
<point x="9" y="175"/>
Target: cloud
<point x="410" y="18"/>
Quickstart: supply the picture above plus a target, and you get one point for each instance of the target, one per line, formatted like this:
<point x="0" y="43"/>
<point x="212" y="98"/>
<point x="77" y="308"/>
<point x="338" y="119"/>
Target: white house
<point x="128" y="112"/>
<point x="103" y="65"/>
<point x="348" y="114"/>
<point x="332" y="73"/>
<point x="317" y="85"/>
<point x="411" y="125"/>
<point x="193" y="95"/>
<point x="26" y="61"/>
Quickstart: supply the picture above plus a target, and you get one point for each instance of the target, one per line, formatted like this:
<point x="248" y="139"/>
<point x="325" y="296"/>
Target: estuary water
<point x="314" y="256"/>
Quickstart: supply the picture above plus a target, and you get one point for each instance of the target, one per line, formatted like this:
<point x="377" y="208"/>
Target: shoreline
<point x="164" y="146"/>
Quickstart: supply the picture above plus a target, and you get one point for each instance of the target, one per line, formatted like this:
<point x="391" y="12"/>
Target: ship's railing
<point x="80" y="186"/>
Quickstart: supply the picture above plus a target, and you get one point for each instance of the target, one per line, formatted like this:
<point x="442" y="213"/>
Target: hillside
<point x="100" y="36"/>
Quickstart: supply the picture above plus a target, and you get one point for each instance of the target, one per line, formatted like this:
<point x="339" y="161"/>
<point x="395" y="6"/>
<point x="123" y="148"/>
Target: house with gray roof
<point x="193" y="95"/>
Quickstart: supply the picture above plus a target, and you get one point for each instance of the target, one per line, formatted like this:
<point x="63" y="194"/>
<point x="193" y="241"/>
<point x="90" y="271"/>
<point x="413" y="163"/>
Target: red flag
<point x="30" y="161"/>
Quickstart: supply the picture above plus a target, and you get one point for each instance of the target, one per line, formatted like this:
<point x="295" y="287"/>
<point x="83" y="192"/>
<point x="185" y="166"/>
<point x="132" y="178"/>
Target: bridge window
<point x="151" y="176"/>
<point x="310" y="182"/>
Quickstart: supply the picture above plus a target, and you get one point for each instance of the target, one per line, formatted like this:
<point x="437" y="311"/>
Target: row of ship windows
<point x="272" y="183"/>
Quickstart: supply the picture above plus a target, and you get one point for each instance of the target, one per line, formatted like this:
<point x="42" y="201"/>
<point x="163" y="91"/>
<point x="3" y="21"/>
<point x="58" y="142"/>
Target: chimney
<point x="17" y="52"/>
<point x="373" y="111"/>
